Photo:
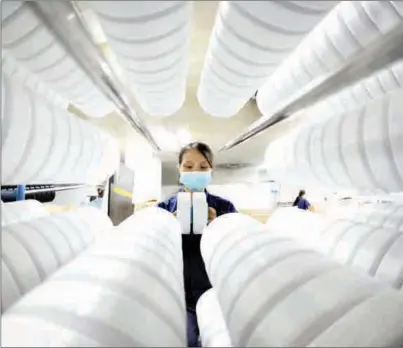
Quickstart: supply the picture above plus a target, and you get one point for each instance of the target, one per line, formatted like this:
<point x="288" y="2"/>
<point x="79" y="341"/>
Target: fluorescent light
<point x="183" y="136"/>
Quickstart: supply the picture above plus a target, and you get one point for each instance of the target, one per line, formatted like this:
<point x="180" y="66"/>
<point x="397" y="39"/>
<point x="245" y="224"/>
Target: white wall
<point x="71" y="197"/>
<point x="147" y="181"/>
<point x="248" y="196"/>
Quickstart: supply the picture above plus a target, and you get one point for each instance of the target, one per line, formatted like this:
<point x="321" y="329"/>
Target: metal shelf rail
<point x="22" y="192"/>
<point x="373" y="58"/>
<point x="65" y="20"/>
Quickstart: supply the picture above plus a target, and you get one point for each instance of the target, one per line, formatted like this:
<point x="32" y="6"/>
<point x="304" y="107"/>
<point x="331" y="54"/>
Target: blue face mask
<point x="195" y="181"/>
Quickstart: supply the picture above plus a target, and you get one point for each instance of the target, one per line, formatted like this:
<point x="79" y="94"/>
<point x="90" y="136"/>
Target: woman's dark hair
<point x="300" y="194"/>
<point x="203" y="148"/>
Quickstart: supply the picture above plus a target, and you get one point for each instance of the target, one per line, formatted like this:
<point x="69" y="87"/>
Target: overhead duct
<point x="150" y="39"/>
<point x="249" y="40"/>
<point x="36" y="47"/>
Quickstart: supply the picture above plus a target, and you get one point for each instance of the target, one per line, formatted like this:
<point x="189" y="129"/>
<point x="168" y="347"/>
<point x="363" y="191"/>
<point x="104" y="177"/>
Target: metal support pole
<point x="67" y="23"/>
<point x="385" y="51"/>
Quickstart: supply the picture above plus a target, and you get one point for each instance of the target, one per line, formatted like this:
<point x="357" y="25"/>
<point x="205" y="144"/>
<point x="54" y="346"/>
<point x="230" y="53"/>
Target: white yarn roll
<point x="43" y="144"/>
<point x="154" y="222"/>
<point x="126" y="291"/>
<point x="332" y="173"/>
<point x="392" y="218"/>
<point x="150" y="40"/>
<point x="35" y="47"/>
<point x="275" y="292"/>
<point x="222" y="226"/>
<point x="249" y="40"/>
<point x="200" y="212"/>
<point x="348" y="29"/>
<point x="183" y="211"/>
<point x="361" y="149"/>
<point x="371" y="250"/>
<point x="367" y="247"/>
<point x="212" y="326"/>
<point x="301" y="225"/>
<point x="20" y="211"/>
<point x="375" y="86"/>
<point x="33" y="250"/>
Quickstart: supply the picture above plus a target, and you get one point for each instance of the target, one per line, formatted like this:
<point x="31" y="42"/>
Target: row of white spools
<point x="33" y="45"/>
<point x="276" y="47"/>
<point x="123" y="286"/>
<point x="42" y="143"/>
<point x="354" y="146"/>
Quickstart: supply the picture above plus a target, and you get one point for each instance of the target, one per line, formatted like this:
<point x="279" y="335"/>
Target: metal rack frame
<point x="65" y="20"/>
<point x="380" y="54"/>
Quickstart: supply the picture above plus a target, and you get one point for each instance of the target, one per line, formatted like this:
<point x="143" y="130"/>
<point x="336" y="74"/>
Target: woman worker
<point x="195" y="167"/>
<point x="300" y="202"/>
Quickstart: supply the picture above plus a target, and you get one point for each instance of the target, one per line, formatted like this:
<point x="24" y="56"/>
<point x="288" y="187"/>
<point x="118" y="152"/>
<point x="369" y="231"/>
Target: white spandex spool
<point x="150" y="40"/>
<point x="200" y="212"/>
<point x="212" y="326"/>
<point x="389" y="218"/>
<point x="352" y="97"/>
<point x="36" y="47"/>
<point x="42" y="143"/>
<point x="372" y="249"/>
<point x="274" y="292"/>
<point x="35" y="249"/>
<point x="222" y="226"/>
<point x="125" y="291"/>
<point x="20" y="211"/>
<point x="299" y="224"/>
<point x="349" y="28"/>
<point x="361" y="149"/>
<point x="248" y="42"/>
<point x="183" y="211"/>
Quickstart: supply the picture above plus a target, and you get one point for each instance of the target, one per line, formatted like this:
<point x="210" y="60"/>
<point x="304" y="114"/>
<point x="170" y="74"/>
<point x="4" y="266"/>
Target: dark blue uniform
<point x="303" y="204"/>
<point x="195" y="276"/>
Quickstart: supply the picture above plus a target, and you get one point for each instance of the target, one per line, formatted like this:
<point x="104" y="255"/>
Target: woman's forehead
<point x="193" y="156"/>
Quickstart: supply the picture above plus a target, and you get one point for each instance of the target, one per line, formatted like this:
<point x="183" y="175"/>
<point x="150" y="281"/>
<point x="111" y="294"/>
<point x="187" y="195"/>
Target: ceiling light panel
<point x="249" y="40"/>
<point x="150" y="39"/>
<point x="36" y="47"/>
